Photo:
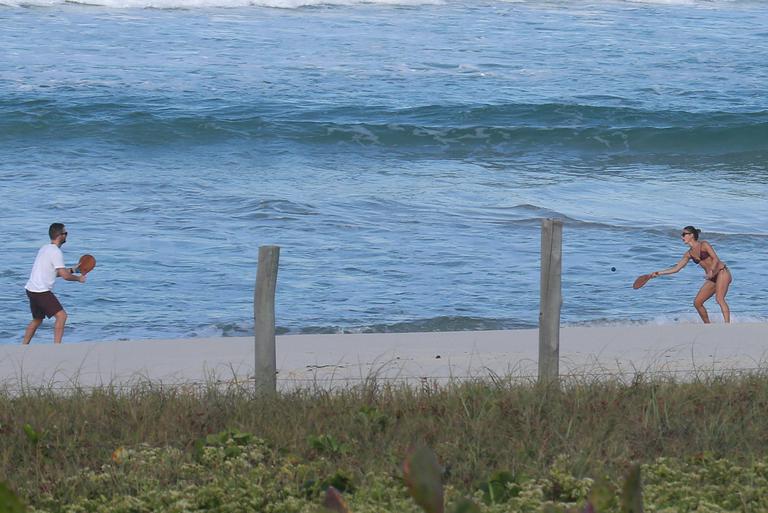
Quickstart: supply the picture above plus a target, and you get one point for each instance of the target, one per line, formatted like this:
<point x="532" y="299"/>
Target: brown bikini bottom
<point x="713" y="279"/>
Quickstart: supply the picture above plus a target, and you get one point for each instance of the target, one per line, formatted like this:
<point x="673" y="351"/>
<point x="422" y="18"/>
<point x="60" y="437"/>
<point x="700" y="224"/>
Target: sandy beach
<point x="339" y="360"/>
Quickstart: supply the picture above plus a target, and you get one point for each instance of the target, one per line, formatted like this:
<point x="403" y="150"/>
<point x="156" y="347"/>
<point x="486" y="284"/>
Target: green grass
<point x="60" y="449"/>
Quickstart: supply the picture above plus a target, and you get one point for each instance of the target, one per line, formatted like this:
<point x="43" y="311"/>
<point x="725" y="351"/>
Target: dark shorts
<point x="43" y="304"/>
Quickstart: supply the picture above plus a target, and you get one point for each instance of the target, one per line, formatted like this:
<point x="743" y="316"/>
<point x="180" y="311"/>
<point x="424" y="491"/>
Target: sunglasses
<point x="63" y="233"/>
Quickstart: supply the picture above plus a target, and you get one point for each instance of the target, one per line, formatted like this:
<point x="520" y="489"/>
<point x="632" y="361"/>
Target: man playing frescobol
<point x="49" y="265"/>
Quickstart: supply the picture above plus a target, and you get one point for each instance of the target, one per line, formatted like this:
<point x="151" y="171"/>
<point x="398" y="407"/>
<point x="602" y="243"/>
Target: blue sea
<point x="402" y="154"/>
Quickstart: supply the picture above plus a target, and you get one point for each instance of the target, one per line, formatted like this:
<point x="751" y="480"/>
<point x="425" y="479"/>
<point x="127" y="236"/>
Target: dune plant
<point x="422" y="474"/>
<point x="504" y="444"/>
<point x="9" y="501"/>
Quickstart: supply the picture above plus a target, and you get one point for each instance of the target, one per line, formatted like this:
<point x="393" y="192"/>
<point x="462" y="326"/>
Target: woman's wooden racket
<point x="641" y="280"/>
<point x="86" y="264"/>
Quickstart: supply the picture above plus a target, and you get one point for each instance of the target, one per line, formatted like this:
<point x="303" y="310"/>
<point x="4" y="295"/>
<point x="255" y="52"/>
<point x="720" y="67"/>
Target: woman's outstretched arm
<point x="672" y="270"/>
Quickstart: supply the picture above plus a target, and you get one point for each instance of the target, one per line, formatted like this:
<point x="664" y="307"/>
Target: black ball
<point x="613" y="269"/>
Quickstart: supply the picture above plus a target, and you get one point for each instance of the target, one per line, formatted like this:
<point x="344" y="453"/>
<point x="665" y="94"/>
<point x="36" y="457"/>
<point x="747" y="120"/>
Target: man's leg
<point x="31" y="329"/>
<point x="58" y="328"/>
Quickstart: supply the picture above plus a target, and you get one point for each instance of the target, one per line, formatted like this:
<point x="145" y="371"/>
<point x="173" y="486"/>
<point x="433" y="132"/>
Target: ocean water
<point x="401" y="153"/>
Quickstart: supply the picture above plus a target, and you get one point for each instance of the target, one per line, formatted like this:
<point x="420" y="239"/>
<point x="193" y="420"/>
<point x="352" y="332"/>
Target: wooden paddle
<point x="86" y="264"/>
<point x="641" y="280"/>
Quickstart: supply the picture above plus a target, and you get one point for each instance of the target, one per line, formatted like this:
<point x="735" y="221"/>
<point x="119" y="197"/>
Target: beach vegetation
<point x="9" y="501"/>
<point x="493" y="446"/>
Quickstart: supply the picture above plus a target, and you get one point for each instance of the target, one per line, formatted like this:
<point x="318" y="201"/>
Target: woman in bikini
<point x="717" y="275"/>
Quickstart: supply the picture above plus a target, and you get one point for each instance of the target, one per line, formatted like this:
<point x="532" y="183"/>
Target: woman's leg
<point x="707" y="291"/>
<point x="724" y="280"/>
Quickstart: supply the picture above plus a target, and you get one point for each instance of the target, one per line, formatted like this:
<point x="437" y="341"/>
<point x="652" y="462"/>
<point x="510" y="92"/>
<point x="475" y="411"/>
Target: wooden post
<point x="265" y="370"/>
<point x="551" y="300"/>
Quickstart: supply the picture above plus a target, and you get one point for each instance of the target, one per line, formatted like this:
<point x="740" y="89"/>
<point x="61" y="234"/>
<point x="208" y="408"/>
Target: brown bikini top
<point x="703" y="255"/>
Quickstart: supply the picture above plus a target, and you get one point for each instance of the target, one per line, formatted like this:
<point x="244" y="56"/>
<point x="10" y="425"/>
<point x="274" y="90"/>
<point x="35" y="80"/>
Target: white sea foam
<point x="298" y="4"/>
<point x="673" y="319"/>
<point x="665" y="2"/>
<point x="695" y="3"/>
<point x="193" y="4"/>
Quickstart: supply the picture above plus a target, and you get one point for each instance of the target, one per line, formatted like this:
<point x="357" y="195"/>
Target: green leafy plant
<point x="466" y="506"/>
<point x="9" y="502"/>
<point x="500" y="487"/>
<point x="372" y="419"/>
<point x="422" y="474"/>
<point x="33" y="436"/>
<point x="231" y="440"/>
<point x="326" y="444"/>
<point x="601" y="498"/>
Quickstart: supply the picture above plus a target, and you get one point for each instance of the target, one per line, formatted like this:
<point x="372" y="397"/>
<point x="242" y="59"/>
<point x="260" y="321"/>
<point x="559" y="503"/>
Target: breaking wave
<point x="512" y="127"/>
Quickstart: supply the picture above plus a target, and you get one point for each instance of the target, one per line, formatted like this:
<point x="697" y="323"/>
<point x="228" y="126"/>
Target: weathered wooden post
<point x="265" y="370"/>
<point x="551" y="300"/>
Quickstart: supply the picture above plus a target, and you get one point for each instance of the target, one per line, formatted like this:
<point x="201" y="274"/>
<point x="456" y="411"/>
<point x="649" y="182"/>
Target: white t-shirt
<point x="43" y="275"/>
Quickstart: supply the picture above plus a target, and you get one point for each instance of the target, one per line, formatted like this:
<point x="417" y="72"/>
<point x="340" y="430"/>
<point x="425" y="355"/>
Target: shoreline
<point x="335" y="360"/>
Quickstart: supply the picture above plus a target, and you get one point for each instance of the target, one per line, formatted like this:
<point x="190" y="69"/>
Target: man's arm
<point x="67" y="274"/>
